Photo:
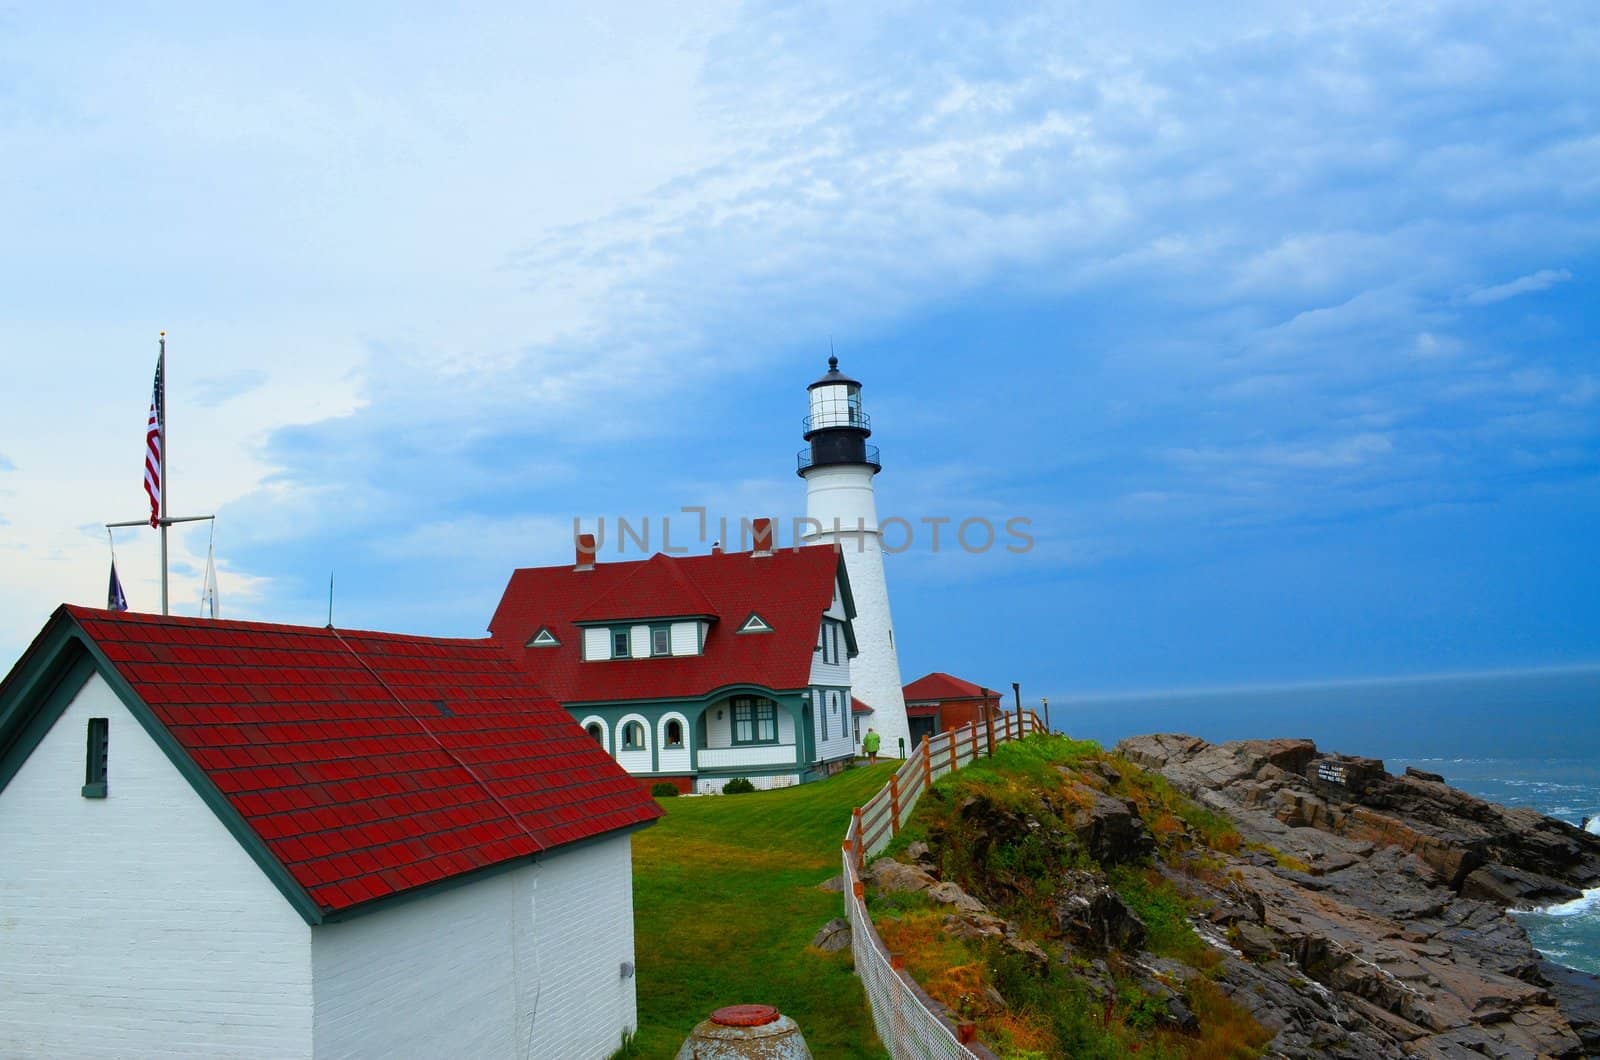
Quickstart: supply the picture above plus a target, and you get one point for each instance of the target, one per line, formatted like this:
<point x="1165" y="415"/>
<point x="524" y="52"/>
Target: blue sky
<point x="1278" y="323"/>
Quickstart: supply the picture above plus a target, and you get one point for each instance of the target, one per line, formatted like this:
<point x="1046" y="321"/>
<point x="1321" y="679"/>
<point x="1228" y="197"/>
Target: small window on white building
<point x="660" y="640"/>
<point x="674" y="737"/>
<point x="633" y="736"/>
<point x="619" y="644"/>
<point x="594" y="729"/>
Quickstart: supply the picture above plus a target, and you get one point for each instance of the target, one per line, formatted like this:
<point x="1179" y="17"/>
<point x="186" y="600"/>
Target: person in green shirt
<point x="869" y="744"/>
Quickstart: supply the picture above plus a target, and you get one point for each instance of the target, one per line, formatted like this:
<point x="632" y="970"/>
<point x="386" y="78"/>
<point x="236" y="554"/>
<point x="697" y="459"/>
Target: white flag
<point x="208" y="595"/>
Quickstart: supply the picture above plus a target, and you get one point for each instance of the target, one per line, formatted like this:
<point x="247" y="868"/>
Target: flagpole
<point x="158" y="495"/>
<point x="161" y="426"/>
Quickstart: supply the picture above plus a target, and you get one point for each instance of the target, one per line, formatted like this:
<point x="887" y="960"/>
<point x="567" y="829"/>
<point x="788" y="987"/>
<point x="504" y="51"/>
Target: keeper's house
<point x="696" y="669"/>
<point x="245" y="840"/>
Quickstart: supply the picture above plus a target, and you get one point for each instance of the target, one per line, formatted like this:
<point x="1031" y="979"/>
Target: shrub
<point x="664" y="790"/>
<point x="738" y="786"/>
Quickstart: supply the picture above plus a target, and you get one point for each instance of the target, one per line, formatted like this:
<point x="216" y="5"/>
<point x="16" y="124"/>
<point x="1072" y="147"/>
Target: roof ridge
<point x="669" y="565"/>
<point x="79" y="611"/>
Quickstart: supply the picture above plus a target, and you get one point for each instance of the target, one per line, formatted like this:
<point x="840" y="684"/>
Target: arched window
<point x="597" y="731"/>
<point x="633" y="736"/>
<point x="674" y="737"/>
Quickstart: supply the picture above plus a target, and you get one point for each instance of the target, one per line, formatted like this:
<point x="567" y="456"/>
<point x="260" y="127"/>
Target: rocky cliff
<point x="1188" y="899"/>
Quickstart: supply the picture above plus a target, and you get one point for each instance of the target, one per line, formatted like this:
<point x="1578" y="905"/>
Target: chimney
<point x="716" y="547"/>
<point x="761" y="537"/>
<point x="586" y="552"/>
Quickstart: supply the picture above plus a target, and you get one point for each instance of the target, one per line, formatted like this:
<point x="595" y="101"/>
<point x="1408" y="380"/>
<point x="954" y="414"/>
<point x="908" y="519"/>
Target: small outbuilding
<point x="939" y="702"/>
<point x="249" y="840"/>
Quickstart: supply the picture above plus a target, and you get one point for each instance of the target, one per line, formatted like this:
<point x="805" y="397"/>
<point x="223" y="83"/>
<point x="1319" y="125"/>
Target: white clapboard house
<point x="693" y="670"/>
<point x="246" y="840"/>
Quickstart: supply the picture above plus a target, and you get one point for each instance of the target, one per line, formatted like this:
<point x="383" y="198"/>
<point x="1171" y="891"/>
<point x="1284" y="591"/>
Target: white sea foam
<point x="1589" y="903"/>
<point x="1593" y="825"/>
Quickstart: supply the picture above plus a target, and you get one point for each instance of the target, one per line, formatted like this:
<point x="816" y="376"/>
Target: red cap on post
<point x="745" y="1015"/>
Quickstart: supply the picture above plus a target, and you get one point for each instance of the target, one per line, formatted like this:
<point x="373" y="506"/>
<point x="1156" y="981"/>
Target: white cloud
<point x="1542" y="280"/>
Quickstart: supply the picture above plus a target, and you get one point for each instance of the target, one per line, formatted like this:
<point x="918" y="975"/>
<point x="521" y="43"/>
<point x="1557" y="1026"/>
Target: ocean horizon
<point x="1518" y="738"/>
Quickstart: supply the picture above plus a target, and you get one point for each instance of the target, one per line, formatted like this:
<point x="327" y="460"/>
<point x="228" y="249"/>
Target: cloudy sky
<point x="1278" y="323"/>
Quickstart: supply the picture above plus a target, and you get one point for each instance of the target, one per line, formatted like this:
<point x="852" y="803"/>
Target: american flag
<point x="152" y="441"/>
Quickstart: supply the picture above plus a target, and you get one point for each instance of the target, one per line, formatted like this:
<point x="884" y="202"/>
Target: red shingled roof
<point x="858" y="707"/>
<point x="334" y="748"/>
<point x="790" y="589"/>
<point x="656" y="588"/>
<point x="942" y="686"/>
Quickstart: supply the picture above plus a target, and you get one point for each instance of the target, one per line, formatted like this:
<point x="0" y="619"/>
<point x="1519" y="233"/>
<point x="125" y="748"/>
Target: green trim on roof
<point x="209" y="793"/>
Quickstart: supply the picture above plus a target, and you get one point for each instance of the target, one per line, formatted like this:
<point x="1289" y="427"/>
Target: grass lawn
<point x="726" y="904"/>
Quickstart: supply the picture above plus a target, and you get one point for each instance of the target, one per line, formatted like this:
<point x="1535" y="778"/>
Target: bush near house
<point x="664" y="790"/>
<point x="738" y="786"/>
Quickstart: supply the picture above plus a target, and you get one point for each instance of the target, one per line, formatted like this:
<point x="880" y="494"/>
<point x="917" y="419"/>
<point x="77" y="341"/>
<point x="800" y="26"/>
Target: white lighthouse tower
<point x="838" y="466"/>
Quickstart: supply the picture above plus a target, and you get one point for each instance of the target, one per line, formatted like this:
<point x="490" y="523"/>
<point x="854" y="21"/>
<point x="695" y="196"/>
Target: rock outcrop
<point x="1388" y="896"/>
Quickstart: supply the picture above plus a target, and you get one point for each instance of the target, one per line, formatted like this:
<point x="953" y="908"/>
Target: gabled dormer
<point x="543" y="639"/>
<point x="655" y="612"/>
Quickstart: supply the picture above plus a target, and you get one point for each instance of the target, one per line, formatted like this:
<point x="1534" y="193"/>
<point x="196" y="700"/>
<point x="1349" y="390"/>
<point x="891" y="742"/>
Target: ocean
<point x="1527" y="738"/>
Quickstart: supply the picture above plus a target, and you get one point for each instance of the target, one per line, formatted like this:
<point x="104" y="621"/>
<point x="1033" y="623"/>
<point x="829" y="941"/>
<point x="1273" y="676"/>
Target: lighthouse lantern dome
<point x="836" y="402"/>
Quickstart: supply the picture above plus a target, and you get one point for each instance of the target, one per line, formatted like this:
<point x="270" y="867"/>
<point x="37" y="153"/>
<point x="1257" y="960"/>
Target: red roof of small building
<point x="369" y="763"/>
<point x="790" y="589"/>
<point x="858" y="707"/>
<point x="939" y="686"/>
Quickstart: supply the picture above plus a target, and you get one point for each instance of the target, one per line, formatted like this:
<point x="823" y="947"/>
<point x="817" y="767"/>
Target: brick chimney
<point x="761" y="537"/>
<point x="586" y="551"/>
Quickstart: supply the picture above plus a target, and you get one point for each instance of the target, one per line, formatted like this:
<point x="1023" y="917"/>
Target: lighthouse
<point x="838" y="466"/>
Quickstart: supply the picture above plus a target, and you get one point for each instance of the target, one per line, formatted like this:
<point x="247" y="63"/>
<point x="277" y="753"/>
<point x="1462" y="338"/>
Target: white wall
<point x="597" y="643"/>
<point x="525" y="963"/>
<point x="713" y="785"/>
<point x="136" y="925"/>
<point x="673" y="760"/>
<point x="636" y="761"/>
<point x="823" y="673"/>
<point x="639" y="641"/>
<point x="846" y="494"/>
<point x="840" y="743"/>
<point x="686" y="638"/>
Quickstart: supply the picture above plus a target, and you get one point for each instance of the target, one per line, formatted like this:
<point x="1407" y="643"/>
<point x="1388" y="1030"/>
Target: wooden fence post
<point x="988" y="725"/>
<point x="894" y="803"/>
<point x="855" y="829"/>
<point x="955" y="736"/>
<point x="927" y="765"/>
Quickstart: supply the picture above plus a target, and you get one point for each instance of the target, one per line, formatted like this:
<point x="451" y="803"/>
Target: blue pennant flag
<point x="116" y="600"/>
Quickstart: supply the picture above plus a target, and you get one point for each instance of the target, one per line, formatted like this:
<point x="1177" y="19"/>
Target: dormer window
<point x="755" y="624"/>
<point x="543" y="639"/>
<point x="660" y="640"/>
<point x="620" y="644"/>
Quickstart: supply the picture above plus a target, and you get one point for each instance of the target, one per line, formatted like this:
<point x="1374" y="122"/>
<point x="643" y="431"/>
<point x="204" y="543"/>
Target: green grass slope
<point x="725" y="906"/>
